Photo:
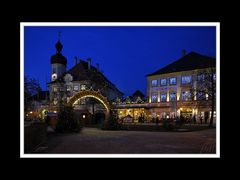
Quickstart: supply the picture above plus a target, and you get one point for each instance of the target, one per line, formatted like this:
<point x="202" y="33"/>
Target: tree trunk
<point x="212" y="114"/>
<point x="213" y="101"/>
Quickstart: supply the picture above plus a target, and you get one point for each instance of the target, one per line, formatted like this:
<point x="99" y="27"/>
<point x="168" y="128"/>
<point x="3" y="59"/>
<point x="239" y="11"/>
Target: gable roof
<point x="138" y="93"/>
<point x="188" y="62"/>
<point x="81" y="72"/>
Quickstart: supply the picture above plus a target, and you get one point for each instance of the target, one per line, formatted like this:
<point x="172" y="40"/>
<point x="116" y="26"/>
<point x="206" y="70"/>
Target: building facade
<point x="82" y="76"/>
<point x="179" y="89"/>
<point x="184" y="88"/>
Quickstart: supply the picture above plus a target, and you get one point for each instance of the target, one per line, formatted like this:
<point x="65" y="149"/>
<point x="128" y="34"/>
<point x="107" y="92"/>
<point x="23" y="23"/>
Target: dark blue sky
<point x="125" y="54"/>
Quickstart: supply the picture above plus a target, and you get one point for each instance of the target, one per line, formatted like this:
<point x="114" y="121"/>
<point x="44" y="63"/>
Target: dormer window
<point x="68" y="88"/>
<point x="83" y="87"/>
<point x="75" y="87"/>
<point x="68" y="78"/>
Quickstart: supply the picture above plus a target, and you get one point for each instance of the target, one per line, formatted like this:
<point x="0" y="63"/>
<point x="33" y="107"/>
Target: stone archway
<point x="94" y="94"/>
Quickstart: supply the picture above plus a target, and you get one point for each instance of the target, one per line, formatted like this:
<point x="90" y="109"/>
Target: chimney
<point x="89" y="63"/>
<point x="183" y="52"/>
<point x="98" y="67"/>
<point x="75" y="60"/>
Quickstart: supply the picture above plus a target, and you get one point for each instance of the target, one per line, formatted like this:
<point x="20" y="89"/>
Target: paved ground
<point x="92" y="140"/>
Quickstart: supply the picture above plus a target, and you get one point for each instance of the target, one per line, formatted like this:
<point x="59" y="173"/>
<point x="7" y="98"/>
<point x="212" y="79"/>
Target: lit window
<point x="163" y="97"/>
<point x="55" y="101"/>
<point x="172" y="96"/>
<point x="186" y="96"/>
<point x="163" y="82"/>
<point x="83" y="86"/>
<point x="54" y="70"/>
<point x="68" y="88"/>
<point x="82" y="101"/>
<point x="200" y="77"/>
<point x="75" y="88"/>
<point x="55" y="89"/>
<point x="154" y="97"/>
<point x="154" y="83"/>
<point x="214" y="77"/>
<point x="186" y="79"/>
<point x="68" y="98"/>
<point x="173" y="81"/>
<point x="201" y="96"/>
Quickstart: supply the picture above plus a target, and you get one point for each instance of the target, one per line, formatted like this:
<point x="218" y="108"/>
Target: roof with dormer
<point x="81" y="72"/>
<point x="188" y="62"/>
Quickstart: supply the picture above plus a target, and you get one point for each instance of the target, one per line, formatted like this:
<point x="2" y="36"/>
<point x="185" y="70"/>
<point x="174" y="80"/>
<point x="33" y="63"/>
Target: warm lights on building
<point x="206" y="96"/>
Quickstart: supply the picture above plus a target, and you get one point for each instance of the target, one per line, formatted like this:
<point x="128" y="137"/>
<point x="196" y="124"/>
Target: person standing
<point x="157" y="120"/>
<point x="194" y="119"/>
<point x="201" y="119"/>
<point x="206" y="118"/>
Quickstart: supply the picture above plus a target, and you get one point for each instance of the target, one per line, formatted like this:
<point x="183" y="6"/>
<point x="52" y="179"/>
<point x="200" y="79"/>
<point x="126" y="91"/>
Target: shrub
<point x="111" y="123"/>
<point x="66" y="120"/>
<point x="168" y="125"/>
<point x="47" y="119"/>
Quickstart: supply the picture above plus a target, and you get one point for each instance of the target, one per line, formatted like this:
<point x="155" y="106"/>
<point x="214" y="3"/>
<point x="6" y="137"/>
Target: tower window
<point x="55" y="89"/>
<point x="54" y="70"/>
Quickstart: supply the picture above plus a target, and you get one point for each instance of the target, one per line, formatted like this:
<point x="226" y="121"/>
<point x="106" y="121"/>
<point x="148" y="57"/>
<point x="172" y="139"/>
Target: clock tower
<point x="58" y="62"/>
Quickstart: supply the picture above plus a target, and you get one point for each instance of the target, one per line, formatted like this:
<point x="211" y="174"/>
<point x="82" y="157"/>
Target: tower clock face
<point x="54" y="76"/>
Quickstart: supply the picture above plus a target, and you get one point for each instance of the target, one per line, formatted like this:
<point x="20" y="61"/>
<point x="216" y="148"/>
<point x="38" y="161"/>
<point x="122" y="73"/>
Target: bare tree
<point x="31" y="87"/>
<point x="204" y="89"/>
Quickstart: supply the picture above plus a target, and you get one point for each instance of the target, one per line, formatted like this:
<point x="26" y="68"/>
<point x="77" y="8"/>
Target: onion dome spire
<point x="58" y="57"/>
<point x="59" y="45"/>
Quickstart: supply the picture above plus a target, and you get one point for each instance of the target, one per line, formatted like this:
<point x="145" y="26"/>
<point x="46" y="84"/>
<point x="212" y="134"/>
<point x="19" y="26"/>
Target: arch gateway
<point x="93" y="94"/>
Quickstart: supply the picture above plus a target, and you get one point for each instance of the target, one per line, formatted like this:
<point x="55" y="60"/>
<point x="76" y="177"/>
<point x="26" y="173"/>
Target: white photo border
<point x="25" y="24"/>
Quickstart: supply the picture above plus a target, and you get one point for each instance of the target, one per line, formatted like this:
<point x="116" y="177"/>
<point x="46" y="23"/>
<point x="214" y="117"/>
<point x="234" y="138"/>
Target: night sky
<point x="125" y="54"/>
